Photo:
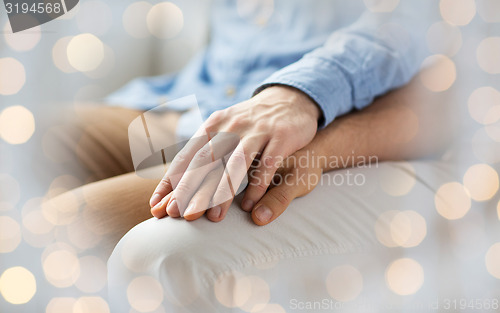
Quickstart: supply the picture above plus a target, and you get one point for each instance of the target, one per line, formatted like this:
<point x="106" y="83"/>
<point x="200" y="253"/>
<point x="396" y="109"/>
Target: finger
<point x="181" y="161"/>
<point x="236" y="169"/>
<point x="178" y="166"/>
<point x="206" y="160"/>
<point x="262" y="175"/>
<point x="201" y="165"/>
<point x="163" y="189"/>
<point x="201" y="199"/>
<point x="160" y="209"/>
<point x="290" y="184"/>
<point x="172" y="208"/>
<point x="218" y="213"/>
<point x="274" y="202"/>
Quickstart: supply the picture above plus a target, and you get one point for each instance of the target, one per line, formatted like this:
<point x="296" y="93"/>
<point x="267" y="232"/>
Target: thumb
<point x="274" y="202"/>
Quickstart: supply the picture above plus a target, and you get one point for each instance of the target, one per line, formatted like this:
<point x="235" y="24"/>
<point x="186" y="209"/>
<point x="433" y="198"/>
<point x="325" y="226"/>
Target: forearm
<point x="407" y="123"/>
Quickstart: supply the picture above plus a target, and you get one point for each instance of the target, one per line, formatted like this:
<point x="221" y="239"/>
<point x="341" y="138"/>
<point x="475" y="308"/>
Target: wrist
<point x="296" y="96"/>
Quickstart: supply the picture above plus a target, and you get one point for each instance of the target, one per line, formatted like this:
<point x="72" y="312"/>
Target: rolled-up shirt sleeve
<point x="377" y="53"/>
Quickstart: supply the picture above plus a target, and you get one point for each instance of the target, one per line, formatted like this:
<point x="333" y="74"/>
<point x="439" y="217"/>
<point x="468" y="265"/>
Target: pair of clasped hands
<point x="255" y="137"/>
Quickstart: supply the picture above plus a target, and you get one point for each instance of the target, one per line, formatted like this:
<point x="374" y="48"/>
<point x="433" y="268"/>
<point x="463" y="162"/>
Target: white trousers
<point x="374" y="244"/>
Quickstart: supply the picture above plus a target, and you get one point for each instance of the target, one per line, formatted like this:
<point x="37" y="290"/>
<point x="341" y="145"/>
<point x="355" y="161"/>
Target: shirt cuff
<point x="321" y="80"/>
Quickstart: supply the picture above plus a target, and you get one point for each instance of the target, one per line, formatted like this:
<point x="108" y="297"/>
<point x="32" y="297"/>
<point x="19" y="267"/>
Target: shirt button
<point x="230" y="91"/>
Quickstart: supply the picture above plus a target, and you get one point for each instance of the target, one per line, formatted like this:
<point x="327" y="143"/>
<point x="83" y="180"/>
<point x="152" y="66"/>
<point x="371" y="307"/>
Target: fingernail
<point x="171" y="205"/>
<point x="263" y="213"/>
<point x="189" y="209"/>
<point x="247" y="205"/>
<point x="215" y="212"/>
<point x="155" y="199"/>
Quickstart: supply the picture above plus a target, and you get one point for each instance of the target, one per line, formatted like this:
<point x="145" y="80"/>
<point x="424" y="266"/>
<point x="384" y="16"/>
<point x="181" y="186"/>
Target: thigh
<point x="95" y="216"/>
<point x="92" y="142"/>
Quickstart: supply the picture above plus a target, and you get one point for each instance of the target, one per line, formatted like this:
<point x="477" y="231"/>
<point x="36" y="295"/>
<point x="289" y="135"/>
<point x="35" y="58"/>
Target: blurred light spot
<point x="10" y="234"/>
<point x="408" y="229"/>
<point x="9" y="190"/>
<point x="493" y="260"/>
<point x="61" y="268"/>
<point x="400" y="228"/>
<point x="36" y="223"/>
<point x="61" y="210"/>
<point x="259" y="11"/>
<point x="381" y="5"/>
<point x="484" y="105"/>
<point x="60" y="55"/>
<point x="404" y="276"/>
<point x="17" y="125"/>
<point x="397" y="179"/>
<point x="488" y="53"/>
<point x="457" y="12"/>
<point x="482" y="182"/>
<point x="493" y="132"/>
<point x="12" y="76"/>
<point x="259" y="293"/>
<point x="37" y="231"/>
<point x="344" y="283"/>
<point x="134" y="19"/>
<point x="444" y="38"/>
<point x="81" y="236"/>
<point x="92" y="274"/>
<point x="231" y="290"/>
<point x="22" y="41"/>
<point x="95" y="17"/>
<point x="90" y="305"/>
<point x="17" y="285"/>
<point x="145" y="294"/>
<point x="165" y="20"/>
<point x="60" y="305"/>
<point x="383" y="228"/>
<point x="452" y="201"/>
<point x="438" y="73"/>
<point x="85" y="52"/>
<point x="106" y="65"/>
<point x="488" y="10"/>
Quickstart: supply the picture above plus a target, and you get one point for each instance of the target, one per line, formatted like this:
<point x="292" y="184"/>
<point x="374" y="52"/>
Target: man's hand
<point x="270" y="126"/>
<point x="298" y="175"/>
<point x="406" y="123"/>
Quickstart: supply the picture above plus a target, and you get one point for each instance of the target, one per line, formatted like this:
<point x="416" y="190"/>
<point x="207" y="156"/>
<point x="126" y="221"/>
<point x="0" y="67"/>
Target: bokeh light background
<point x="101" y="45"/>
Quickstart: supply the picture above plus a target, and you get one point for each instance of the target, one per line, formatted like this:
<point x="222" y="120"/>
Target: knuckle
<point x="216" y="117"/>
<point x="203" y="154"/>
<point x="281" y="131"/>
<point x="180" y="157"/>
<point x="262" y="126"/>
<point x="261" y="187"/>
<point x="281" y="196"/>
<point x="165" y="183"/>
<point x="235" y="125"/>
<point x="183" y="187"/>
<point x="238" y="157"/>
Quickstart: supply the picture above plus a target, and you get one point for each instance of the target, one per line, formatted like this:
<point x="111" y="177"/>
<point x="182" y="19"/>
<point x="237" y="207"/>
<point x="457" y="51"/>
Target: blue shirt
<point x="338" y="52"/>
